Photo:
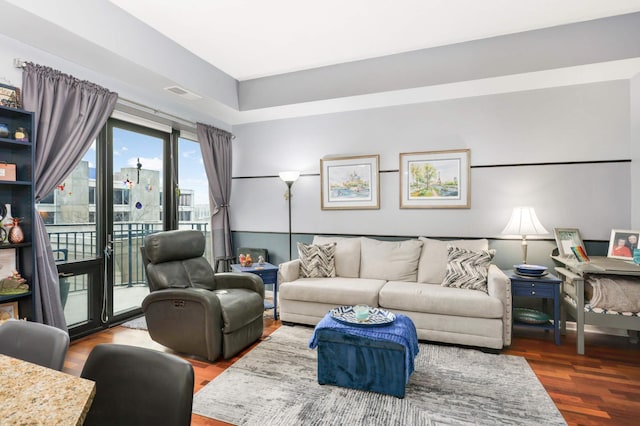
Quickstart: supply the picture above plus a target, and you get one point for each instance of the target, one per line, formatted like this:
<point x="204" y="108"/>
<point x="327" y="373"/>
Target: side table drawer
<point x="268" y="277"/>
<point x="532" y="290"/>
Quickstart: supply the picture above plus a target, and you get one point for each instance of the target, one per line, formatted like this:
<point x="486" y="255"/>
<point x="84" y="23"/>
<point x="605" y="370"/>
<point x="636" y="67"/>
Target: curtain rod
<point x="21" y="63"/>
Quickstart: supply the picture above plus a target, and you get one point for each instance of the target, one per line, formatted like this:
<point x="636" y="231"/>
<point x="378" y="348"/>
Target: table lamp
<point x="524" y="222"/>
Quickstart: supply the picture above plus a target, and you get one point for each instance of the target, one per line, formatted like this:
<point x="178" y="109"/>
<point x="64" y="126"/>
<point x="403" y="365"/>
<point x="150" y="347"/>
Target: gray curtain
<point x="69" y="114"/>
<point x="215" y="145"/>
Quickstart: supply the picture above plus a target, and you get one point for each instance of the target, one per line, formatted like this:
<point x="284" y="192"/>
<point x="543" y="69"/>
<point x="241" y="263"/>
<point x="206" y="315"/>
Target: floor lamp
<point x="289" y="178"/>
<point x="524" y="222"/>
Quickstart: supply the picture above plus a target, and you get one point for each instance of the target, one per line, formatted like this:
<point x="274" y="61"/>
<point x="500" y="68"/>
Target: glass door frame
<point x="106" y="230"/>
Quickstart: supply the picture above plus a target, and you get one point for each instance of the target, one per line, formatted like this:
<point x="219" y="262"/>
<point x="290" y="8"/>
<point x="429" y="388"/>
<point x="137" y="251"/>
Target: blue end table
<point x="546" y="287"/>
<point x="269" y="275"/>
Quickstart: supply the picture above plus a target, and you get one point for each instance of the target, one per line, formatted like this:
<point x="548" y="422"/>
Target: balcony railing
<point x="72" y="243"/>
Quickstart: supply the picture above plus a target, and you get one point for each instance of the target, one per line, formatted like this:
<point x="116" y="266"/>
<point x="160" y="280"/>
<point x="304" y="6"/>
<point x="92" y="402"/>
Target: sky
<point x="129" y="146"/>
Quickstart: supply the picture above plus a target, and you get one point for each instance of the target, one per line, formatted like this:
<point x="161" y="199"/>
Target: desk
<point x="269" y="275"/>
<point x="32" y="394"/>
<point x="572" y="274"/>
<point x="547" y="287"/>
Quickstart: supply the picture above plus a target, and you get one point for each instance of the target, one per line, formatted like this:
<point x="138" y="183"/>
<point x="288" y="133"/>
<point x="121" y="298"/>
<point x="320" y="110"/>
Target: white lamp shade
<point x="290" y="176"/>
<point x="524" y="222"/>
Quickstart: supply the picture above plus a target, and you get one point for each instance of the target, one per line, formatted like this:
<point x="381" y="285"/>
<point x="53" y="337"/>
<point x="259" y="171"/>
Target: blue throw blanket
<point x="401" y="331"/>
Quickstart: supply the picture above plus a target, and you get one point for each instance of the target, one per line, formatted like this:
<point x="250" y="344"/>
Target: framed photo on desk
<point x="567" y="238"/>
<point x="622" y="244"/>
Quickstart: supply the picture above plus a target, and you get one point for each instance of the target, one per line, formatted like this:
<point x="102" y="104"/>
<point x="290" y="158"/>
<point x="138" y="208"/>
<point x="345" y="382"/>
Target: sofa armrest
<point x="289" y="271"/>
<point x="499" y="285"/>
<point x="247" y="280"/>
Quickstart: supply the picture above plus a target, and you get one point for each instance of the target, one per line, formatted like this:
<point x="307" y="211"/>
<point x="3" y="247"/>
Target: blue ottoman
<point x="377" y="359"/>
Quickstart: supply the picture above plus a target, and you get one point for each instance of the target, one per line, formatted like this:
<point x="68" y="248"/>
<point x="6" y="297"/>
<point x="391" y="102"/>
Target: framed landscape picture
<point x="350" y="182"/>
<point x="622" y="243"/>
<point x="567" y="238"/>
<point x="435" y="180"/>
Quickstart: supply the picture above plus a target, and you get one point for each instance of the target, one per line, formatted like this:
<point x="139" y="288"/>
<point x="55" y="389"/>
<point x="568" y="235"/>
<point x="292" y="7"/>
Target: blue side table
<point x="269" y="275"/>
<point x="546" y="287"/>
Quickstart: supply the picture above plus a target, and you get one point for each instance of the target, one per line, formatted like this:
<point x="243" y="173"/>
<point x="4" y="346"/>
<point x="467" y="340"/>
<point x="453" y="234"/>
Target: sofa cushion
<point x="332" y="291"/>
<point x="433" y="259"/>
<point x="468" y="268"/>
<point x="435" y="299"/>
<point x="389" y="260"/>
<point x="347" y="255"/>
<point x="317" y="260"/>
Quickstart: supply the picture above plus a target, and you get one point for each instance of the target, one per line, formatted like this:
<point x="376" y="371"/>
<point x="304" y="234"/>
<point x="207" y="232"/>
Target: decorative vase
<point x="4" y="130"/>
<point x="16" y="235"/>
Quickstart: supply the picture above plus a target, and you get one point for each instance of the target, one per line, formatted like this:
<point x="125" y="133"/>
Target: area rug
<point x="139" y="323"/>
<point x="276" y="384"/>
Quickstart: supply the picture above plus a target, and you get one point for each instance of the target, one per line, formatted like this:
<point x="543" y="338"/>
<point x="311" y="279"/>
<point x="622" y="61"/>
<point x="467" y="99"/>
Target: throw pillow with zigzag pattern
<point x="468" y="268"/>
<point x="317" y="261"/>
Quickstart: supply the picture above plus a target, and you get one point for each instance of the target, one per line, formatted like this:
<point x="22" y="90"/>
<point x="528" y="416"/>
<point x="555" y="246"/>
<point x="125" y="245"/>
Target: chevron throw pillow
<point x="317" y="261"/>
<point x="468" y="268"/>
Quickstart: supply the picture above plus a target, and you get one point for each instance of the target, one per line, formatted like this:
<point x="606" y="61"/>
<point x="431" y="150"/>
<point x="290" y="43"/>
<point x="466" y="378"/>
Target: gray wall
<point x="524" y="148"/>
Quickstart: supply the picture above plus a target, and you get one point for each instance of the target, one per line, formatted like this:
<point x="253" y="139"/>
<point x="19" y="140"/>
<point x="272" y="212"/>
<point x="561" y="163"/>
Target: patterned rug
<point x="139" y="323"/>
<point x="276" y="384"/>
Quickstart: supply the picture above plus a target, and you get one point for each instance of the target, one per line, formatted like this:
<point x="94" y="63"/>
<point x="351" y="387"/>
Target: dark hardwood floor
<point x="599" y="388"/>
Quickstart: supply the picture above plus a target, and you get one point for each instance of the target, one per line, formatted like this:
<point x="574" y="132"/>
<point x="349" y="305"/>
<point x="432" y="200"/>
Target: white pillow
<point x="433" y="259"/>
<point x="389" y="260"/>
<point x="347" y="255"/>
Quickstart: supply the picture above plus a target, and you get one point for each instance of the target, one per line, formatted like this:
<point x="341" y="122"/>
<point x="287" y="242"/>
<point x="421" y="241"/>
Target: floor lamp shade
<point x="524" y="221"/>
<point x="289" y="176"/>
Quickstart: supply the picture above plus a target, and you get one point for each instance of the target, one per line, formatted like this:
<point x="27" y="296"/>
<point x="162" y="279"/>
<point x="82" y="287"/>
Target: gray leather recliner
<point x="193" y="311"/>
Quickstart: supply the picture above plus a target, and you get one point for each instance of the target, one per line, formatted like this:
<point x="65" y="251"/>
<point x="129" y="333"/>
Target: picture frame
<point x="435" y="179"/>
<point x="622" y="243"/>
<point x="7" y="262"/>
<point x="567" y="238"/>
<point x="350" y="183"/>
<point x="10" y="96"/>
<point x="9" y="310"/>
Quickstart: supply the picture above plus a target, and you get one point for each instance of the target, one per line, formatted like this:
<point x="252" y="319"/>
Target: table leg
<point x="275" y="299"/>
<point x="556" y="314"/>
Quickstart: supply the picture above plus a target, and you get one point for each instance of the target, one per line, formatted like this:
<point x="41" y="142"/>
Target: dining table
<point x="33" y="394"/>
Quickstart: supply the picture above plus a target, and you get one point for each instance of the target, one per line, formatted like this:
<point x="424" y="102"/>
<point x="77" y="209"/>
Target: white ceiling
<point x="255" y="38"/>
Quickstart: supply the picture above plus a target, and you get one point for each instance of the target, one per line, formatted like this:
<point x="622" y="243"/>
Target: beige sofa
<point x="403" y="277"/>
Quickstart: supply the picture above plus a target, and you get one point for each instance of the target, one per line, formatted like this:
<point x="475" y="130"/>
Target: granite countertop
<point x="32" y="394"/>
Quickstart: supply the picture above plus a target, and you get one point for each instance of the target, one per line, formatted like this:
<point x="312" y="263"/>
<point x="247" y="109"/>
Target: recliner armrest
<point x="289" y="271"/>
<point x="240" y="280"/>
<point x="499" y="286"/>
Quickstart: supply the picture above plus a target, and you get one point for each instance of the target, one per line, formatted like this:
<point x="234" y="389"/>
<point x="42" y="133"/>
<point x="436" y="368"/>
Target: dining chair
<point x="34" y="342"/>
<point x="138" y="386"/>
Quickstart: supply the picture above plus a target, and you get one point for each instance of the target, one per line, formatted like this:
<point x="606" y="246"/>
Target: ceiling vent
<point x="182" y="92"/>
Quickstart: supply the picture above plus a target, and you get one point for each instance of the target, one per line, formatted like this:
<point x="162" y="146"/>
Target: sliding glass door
<point x="137" y="188"/>
<point x="97" y="218"/>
